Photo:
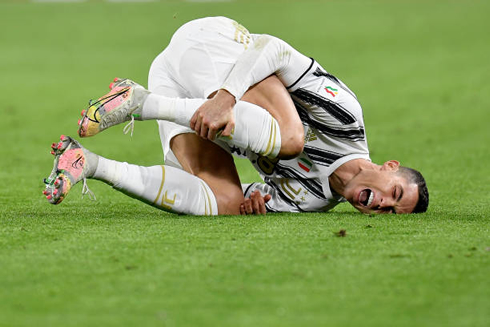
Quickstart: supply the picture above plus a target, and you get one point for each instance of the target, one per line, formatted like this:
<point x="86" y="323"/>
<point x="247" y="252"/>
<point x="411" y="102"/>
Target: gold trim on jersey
<point x="287" y="188"/>
<point x="310" y="136"/>
<point x="242" y="35"/>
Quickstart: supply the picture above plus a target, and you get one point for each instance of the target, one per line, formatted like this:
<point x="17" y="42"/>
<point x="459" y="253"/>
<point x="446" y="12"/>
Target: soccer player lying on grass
<point x="211" y="54"/>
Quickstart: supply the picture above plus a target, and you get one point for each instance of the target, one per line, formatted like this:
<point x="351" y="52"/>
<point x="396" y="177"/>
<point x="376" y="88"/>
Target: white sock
<point x="255" y="128"/>
<point x="164" y="187"/>
<point x="177" y="110"/>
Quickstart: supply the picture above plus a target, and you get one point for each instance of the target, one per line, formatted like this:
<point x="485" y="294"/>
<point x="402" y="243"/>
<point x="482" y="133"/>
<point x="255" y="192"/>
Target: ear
<point x="392" y="165"/>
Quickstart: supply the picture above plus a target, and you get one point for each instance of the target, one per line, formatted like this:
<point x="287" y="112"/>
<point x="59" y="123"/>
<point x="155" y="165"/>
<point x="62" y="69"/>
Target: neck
<point x="345" y="173"/>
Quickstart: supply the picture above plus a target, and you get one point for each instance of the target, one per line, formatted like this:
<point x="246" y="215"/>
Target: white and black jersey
<point x="334" y="134"/>
<point x="223" y="54"/>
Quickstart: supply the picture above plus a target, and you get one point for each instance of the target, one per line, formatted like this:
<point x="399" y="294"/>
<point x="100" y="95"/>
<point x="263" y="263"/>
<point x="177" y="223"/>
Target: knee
<point x="292" y="142"/>
<point x="229" y="200"/>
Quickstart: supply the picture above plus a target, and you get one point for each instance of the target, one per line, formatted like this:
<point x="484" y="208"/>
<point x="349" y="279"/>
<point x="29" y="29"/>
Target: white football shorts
<point x="196" y="62"/>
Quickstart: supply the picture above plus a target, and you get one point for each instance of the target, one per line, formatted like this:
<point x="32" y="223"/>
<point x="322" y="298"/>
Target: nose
<point x="386" y="202"/>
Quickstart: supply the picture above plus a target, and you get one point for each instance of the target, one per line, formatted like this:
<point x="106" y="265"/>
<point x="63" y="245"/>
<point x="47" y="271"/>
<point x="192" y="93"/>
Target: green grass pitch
<point x="421" y="71"/>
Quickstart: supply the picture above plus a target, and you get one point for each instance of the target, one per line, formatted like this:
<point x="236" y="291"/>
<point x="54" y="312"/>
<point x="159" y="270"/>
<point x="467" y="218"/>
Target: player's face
<point x="382" y="191"/>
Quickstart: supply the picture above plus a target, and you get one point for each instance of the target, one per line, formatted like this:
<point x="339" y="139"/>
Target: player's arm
<point x="268" y="56"/>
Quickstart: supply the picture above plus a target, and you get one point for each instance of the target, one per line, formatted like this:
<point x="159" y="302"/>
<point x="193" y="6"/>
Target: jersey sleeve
<point x="268" y="55"/>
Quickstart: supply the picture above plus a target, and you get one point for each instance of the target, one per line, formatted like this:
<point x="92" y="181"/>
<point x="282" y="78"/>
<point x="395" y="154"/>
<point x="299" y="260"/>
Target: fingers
<point x="228" y="128"/>
<point x="258" y="204"/>
<point x="193" y="121"/>
<point x="212" y="134"/>
<point x="204" y="131"/>
<point x="246" y="207"/>
<point x="207" y="130"/>
<point x="213" y="118"/>
<point x="203" y="128"/>
<point x="198" y="124"/>
<point x="255" y="204"/>
<point x="218" y="130"/>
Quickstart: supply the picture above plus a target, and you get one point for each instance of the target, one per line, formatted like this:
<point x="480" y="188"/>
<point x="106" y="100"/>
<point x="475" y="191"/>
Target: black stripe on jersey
<point x="313" y="187"/>
<point x="269" y="208"/>
<point x="319" y="72"/>
<point x="303" y="75"/>
<point x="321" y="156"/>
<point x="283" y="196"/>
<point x="353" y="134"/>
<point x="334" y="109"/>
<point x="248" y="189"/>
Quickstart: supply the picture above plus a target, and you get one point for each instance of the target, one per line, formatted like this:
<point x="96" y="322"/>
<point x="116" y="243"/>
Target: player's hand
<point x="215" y="115"/>
<point x="255" y="204"/>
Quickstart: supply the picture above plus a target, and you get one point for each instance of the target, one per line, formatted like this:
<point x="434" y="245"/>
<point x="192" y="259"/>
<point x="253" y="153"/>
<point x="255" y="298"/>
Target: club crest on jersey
<point x="330" y="90"/>
<point x="305" y="164"/>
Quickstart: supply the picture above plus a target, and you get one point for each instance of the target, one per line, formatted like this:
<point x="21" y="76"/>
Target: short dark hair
<point x="414" y="176"/>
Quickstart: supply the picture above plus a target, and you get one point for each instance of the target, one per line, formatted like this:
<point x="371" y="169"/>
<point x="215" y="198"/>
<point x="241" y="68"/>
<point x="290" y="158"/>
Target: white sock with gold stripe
<point x="255" y="128"/>
<point x="164" y="187"/>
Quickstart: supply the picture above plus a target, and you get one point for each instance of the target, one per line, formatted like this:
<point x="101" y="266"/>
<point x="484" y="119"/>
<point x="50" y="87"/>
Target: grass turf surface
<point x="420" y="70"/>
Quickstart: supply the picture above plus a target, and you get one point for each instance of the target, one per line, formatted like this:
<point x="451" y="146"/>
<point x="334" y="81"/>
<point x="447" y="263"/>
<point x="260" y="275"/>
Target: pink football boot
<point x="72" y="163"/>
<point x="123" y="103"/>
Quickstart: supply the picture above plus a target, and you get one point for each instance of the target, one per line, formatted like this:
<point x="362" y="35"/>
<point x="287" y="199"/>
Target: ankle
<point x="92" y="161"/>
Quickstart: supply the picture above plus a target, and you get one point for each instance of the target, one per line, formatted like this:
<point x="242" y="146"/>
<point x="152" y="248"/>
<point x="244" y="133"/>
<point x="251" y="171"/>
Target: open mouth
<point x="366" y="197"/>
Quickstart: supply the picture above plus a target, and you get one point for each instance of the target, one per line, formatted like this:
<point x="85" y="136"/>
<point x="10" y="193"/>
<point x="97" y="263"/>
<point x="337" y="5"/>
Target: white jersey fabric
<point x="334" y="134"/>
<point x="207" y="54"/>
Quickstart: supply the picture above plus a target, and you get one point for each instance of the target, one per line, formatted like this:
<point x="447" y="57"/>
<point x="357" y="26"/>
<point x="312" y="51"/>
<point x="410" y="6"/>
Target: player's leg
<point x="199" y="57"/>
<point x="212" y="164"/>
<point x="256" y="129"/>
<point x="183" y="149"/>
<point x="164" y="187"/>
<point x="271" y="95"/>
